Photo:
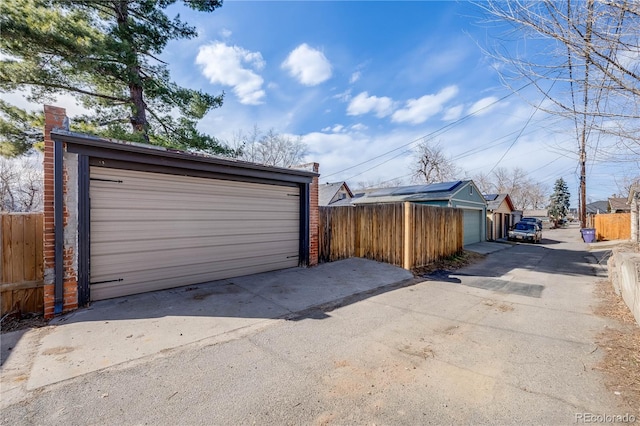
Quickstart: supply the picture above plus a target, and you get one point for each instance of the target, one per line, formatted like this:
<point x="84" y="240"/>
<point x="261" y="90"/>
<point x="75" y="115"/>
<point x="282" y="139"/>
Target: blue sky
<point x="363" y="80"/>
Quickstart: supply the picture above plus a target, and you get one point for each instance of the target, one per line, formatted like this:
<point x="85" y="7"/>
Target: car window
<point x="524" y="226"/>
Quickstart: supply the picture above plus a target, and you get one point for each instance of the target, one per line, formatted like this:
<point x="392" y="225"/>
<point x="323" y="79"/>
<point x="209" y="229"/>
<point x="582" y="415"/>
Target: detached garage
<point x="463" y="194"/>
<point x="124" y="218"/>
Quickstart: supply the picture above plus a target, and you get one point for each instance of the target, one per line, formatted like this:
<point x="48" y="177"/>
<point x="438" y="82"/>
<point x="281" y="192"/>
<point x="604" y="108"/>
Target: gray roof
<point x="535" y="213"/>
<point x="598" y="207"/>
<point x="495" y="200"/>
<point x="327" y="191"/>
<point x="343" y="202"/>
<point x="619" y="204"/>
<point x="433" y="192"/>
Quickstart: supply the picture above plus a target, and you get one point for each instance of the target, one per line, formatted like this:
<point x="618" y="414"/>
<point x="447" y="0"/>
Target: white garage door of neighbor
<point x="472" y="222"/>
<point x="152" y="231"/>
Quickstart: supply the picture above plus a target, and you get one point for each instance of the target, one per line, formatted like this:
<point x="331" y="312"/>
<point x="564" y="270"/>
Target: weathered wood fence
<point x="21" y="277"/>
<point x="612" y="226"/>
<point x="403" y="234"/>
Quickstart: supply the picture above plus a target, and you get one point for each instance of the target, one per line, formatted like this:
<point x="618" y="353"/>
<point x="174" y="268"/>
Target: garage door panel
<point x="179" y="272"/>
<point x="147" y="263"/>
<point x="136" y="245"/>
<point x="102" y="233"/>
<point x="153" y="231"/>
<point x="132" y="180"/>
<point x="149" y="214"/>
<point x="159" y="279"/>
<point x="225" y="189"/>
<point x="126" y="199"/>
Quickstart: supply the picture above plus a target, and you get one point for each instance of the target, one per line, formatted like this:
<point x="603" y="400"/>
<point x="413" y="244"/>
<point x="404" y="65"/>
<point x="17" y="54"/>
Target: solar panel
<point x="441" y="187"/>
<point x="491" y="197"/>
<point x="415" y="189"/>
<point x="407" y="190"/>
<point x="382" y="192"/>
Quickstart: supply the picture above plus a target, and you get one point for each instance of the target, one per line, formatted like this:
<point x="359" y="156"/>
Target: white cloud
<point x="336" y="153"/>
<point x="417" y="111"/>
<point x="364" y="104"/>
<point x="359" y="127"/>
<point x="483" y="106"/>
<point x="453" y="113"/>
<point x="67" y="101"/>
<point x="308" y="65"/>
<point x="233" y="66"/>
<point x="225" y="33"/>
<point x="344" y="96"/>
<point x="355" y="77"/>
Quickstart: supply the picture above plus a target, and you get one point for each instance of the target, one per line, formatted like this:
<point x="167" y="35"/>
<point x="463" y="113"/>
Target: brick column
<point x="313" y="218"/>
<point x="55" y="119"/>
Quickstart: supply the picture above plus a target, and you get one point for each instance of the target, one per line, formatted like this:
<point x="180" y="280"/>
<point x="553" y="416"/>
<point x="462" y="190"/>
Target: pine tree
<point x="559" y="206"/>
<point x="105" y="53"/>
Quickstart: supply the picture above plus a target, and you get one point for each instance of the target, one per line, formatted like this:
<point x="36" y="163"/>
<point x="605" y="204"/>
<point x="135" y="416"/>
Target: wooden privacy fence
<point x="403" y="234"/>
<point x="612" y="226"/>
<point x="21" y="284"/>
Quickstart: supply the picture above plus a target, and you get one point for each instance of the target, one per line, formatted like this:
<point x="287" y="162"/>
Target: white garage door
<point x="472" y="223"/>
<point x="151" y="231"/>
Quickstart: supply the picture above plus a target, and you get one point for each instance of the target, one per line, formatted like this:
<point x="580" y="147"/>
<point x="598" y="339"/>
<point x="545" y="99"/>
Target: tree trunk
<point x="139" y="111"/>
<point x="138" y="117"/>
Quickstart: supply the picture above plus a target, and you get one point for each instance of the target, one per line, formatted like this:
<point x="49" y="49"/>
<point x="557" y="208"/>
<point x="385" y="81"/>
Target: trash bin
<point x="588" y="235"/>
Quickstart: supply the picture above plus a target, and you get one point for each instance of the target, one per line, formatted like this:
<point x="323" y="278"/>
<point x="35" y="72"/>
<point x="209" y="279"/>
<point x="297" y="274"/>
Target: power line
<point x="523" y="128"/>
<point x="435" y="132"/>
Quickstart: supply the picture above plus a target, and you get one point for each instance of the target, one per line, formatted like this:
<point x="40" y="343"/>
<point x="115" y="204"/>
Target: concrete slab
<point x="486" y="247"/>
<point x="126" y="329"/>
<point x="606" y="245"/>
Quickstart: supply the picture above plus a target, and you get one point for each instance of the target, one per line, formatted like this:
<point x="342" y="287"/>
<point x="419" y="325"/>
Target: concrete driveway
<point x="126" y="329"/>
<point x="510" y="340"/>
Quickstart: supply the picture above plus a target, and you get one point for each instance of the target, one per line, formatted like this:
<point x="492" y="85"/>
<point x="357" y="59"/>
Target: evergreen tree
<point x="105" y="53"/>
<point x="559" y="206"/>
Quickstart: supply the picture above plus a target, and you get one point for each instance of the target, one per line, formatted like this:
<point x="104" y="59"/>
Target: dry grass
<point x="15" y="322"/>
<point x="621" y="345"/>
<point x="451" y="263"/>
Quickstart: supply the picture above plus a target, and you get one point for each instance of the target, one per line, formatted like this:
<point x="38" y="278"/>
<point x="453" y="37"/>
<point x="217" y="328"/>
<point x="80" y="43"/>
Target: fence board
<point x="385" y="232"/>
<point x="21" y="260"/>
<point x="612" y="226"/>
<point x="17" y="248"/>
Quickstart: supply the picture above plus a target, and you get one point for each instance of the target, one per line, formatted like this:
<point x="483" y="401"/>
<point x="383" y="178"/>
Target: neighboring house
<point x="543" y="215"/>
<point x="516" y="216"/>
<point x="499" y="215"/>
<point x="634" y="205"/>
<point x="334" y="194"/>
<point x="618" y="205"/>
<point x="597" y="207"/>
<point x="462" y="194"/>
<point x="573" y="214"/>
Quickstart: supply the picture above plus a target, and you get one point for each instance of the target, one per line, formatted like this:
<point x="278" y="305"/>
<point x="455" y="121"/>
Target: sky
<point x="363" y="82"/>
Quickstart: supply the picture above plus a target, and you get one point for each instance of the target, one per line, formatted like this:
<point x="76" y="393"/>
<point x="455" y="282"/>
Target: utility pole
<point x="583" y="141"/>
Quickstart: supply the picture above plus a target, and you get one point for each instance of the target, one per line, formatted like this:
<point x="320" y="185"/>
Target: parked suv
<point x="532" y="220"/>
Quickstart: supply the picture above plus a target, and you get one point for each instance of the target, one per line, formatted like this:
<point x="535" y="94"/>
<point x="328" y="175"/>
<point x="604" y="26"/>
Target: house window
<point x="471" y="190"/>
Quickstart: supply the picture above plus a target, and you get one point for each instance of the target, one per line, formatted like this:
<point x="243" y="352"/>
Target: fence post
<point x="407" y="260"/>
